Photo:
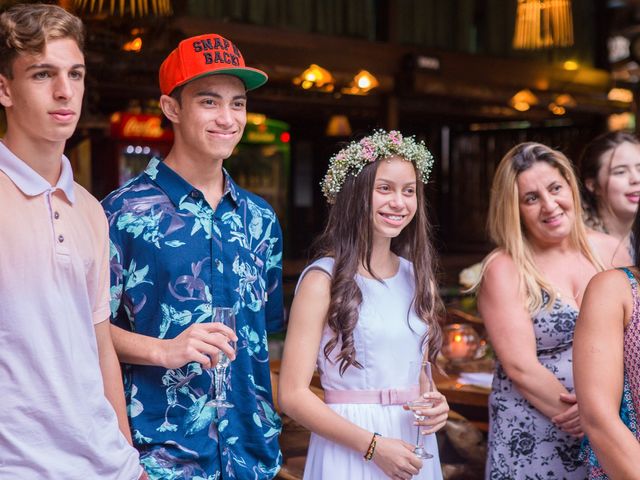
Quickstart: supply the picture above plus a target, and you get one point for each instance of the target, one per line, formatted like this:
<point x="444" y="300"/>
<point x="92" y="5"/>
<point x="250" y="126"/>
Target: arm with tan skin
<point x="598" y="368"/>
<point x="306" y="322"/>
<point x="502" y="306"/>
<point x="200" y="343"/>
<point x="112" y="376"/>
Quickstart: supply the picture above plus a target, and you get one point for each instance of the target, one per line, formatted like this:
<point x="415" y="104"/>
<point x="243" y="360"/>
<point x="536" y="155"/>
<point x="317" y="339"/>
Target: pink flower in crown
<point x="395" y="137"/>
<point x="368" y="150"/>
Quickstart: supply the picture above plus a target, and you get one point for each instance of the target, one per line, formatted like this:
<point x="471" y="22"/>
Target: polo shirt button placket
<point x="61" y="245"/>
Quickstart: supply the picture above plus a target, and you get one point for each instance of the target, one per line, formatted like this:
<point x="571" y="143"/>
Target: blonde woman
<point x="529" y="297"/>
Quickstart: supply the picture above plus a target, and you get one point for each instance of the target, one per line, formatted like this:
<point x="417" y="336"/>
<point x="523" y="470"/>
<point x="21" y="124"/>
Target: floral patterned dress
<point x="523" y="443"/>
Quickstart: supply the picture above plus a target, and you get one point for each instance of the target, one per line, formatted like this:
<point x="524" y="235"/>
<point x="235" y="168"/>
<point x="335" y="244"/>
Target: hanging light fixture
<point x="315" y="77"/>
<point x="134" y="8"/>
<point x="543" y="24"/>
<point x="338" y="126"/>
<point x="620" y="95"/>
<point x="134" y="45"/>
<point x="361" y="84"/>
<point x="523" y="100"/>
<point x="556" y="109"/>
<point x="565" y="100"/>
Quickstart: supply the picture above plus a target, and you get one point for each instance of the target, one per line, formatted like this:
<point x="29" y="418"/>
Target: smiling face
<point x="43" y="100"/>
<point x="617" y="185"/>
<point x="211" y="116"/>
<point x="546" y="204"/>
<point x="394" y="198"/>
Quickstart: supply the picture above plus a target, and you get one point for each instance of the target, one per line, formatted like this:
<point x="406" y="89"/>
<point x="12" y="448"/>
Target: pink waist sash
<point x="390" y="396"/>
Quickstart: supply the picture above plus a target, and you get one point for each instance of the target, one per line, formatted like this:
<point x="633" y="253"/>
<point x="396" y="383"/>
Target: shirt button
<point x="195" y="194"/>
<point x="56" y="215"/>
<point x="60" y="238"/>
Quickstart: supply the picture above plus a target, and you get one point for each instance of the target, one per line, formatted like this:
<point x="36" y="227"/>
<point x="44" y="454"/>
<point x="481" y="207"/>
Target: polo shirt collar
<point x="176" y="187"/>
<point x="31" y="182"/>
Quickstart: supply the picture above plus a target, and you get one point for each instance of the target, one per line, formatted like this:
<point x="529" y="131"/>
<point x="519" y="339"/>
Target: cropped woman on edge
<point x="606" y="367"/>
<point x="610" y="174"/>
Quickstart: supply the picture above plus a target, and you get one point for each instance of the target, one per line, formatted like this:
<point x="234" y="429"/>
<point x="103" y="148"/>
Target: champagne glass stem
<point x="419" y="447"/>
<point x="219" y="376"/>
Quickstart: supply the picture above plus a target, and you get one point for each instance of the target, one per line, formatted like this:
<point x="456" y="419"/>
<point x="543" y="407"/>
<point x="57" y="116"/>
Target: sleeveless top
<point x="630" y="403"/>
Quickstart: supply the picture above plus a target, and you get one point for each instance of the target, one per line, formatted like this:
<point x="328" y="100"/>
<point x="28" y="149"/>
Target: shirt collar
<point x="31" y="182"/>
<point x="176" y="187"/>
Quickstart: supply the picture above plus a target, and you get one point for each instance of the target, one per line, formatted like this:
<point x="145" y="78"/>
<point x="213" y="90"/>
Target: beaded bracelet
<point x="372" y="447"/>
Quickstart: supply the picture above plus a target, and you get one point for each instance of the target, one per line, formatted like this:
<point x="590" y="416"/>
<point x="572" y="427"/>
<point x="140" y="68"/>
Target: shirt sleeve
<point x="101" y="254"/>
<point x="116" y="277"/>
<point x="274" y="308"/>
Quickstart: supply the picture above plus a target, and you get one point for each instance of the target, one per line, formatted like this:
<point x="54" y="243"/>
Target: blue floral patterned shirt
<point x="173" y="258"/>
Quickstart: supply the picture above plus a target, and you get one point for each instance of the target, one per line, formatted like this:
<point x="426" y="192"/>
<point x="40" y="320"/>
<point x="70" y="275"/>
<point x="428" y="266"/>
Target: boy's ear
<point x="5" y="92"/>
<point x="171" y="108"/>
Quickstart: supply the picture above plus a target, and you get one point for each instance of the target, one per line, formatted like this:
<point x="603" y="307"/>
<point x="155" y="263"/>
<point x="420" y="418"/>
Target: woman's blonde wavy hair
<point x="505" y="226"/>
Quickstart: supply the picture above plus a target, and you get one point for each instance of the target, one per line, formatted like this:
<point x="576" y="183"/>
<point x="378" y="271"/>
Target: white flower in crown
<point x="381" y="144"/>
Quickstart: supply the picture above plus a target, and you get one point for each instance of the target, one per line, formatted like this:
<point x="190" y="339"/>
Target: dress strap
<point x="632" y="278"/>
<point x="634" y="293"/>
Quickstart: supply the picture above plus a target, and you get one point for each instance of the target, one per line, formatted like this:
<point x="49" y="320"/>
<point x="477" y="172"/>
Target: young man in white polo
<point x="62" y="396"/>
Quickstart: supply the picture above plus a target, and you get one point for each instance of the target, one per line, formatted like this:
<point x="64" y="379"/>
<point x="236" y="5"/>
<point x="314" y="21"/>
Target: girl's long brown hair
<point x="347" y="238"/>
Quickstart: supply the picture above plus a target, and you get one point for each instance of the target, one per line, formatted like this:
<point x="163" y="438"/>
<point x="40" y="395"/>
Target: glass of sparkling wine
<point x="225" y="316"/>
<point x="426" y="384"/>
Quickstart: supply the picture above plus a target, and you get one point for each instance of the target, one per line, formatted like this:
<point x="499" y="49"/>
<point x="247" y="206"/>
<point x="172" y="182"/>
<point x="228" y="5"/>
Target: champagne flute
<point x="225" y="316"/>
<point x="426" y="384"/>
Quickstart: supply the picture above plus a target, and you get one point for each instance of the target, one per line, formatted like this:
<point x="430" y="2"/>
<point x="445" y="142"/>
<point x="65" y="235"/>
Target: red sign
<point x="139" y="126"/>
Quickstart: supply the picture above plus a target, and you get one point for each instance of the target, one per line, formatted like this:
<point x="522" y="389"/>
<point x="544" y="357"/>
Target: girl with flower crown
<point x="366" y="310"/>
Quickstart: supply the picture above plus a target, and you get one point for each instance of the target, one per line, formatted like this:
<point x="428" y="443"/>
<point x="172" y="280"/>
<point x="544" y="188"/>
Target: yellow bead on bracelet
<point x="372" y="447"/>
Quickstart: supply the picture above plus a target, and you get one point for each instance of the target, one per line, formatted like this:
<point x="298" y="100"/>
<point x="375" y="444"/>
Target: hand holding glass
<point x="426" y="384"/>
<point x="225" y="316"/>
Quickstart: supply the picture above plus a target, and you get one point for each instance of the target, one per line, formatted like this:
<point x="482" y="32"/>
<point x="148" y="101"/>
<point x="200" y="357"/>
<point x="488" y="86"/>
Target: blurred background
<point x="470" y="77"/>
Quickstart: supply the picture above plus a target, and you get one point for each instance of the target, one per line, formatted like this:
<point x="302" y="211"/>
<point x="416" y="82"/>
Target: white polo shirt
<point x="55" y="422"/>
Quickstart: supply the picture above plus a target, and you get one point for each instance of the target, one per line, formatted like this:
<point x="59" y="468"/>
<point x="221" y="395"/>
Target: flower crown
<point x="352" y="159"/>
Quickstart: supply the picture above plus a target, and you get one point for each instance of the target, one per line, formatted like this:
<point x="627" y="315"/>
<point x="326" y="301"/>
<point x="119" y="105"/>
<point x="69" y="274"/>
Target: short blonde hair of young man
<point x="26" y="28"/>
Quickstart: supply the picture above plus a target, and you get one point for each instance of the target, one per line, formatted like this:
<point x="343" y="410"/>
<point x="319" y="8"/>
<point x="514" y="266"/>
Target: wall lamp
<point x="523" y="100"/>
<point x="315" y="77"/>
<point x="361" y="84"/>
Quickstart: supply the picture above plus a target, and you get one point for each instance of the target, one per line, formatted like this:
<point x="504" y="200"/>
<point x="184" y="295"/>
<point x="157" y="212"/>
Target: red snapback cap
<point x="209" y="54"/>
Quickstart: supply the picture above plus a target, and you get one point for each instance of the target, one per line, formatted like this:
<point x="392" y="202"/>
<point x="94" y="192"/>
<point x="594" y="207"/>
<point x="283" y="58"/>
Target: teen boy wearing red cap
<point x="185" y="239"/>
<point x="58" y="368"/>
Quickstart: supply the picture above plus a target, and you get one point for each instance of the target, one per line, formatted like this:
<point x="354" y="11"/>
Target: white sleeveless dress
<point x="386" y="342"/>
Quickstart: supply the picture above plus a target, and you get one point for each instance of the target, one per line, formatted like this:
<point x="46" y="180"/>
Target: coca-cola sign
<point x="139" y="126"/>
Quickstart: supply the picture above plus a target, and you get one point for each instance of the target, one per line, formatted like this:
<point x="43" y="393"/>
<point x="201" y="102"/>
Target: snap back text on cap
<point x="219" y="56"/>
